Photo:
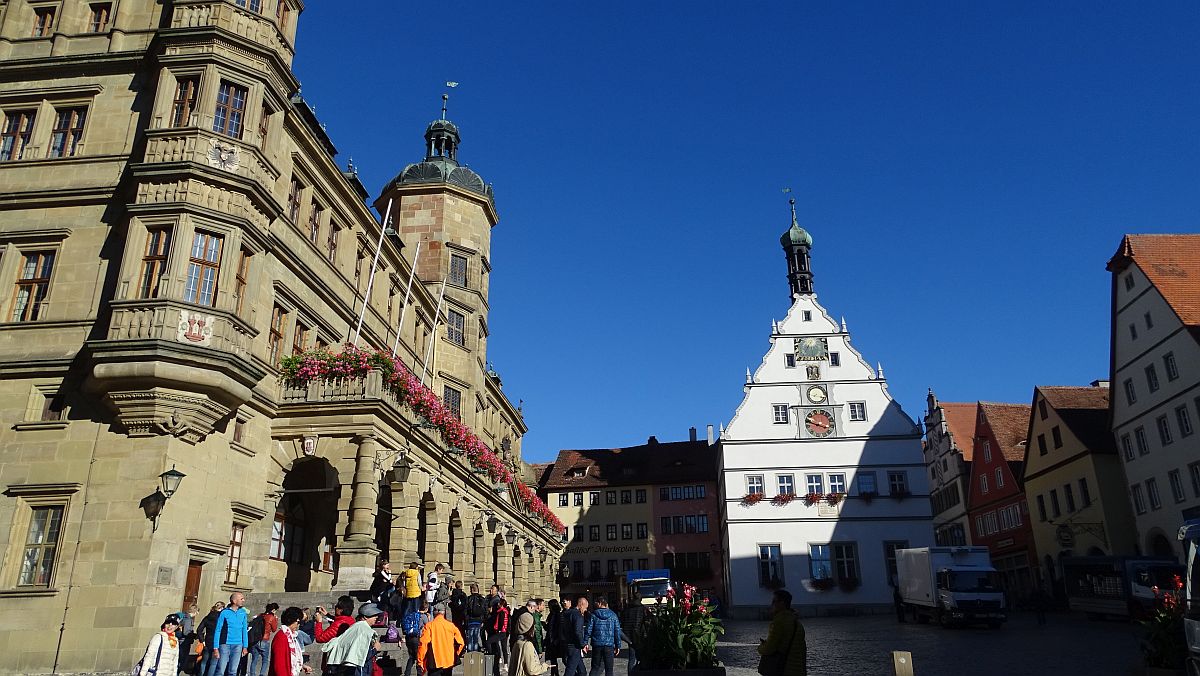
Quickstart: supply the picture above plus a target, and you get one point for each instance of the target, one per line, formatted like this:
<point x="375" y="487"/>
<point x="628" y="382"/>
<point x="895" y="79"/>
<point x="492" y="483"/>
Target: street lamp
<point x="170" y="481"/>
<point x="528" y="548"/>
<point x="402" y="469"/>
<point x="510" y="537"/>
<point x="153" y="504"/>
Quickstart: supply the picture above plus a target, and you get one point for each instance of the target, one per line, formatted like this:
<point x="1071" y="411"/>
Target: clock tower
<point x="822" y="475"/>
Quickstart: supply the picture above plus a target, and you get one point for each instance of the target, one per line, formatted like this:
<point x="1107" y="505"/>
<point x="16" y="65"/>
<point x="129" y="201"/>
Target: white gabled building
<point x="817" y="419"/>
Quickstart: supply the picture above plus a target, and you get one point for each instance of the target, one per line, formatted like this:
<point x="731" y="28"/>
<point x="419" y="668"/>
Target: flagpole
<point x="407" y="290"/>
<point x="371" y="280"/>
<point x="433" y="336"/>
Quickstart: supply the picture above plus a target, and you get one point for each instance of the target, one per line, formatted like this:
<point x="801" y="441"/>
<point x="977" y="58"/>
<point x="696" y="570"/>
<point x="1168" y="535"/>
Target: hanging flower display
<point x="833" y="498"/>
<point x="353" y="363"/>
<point x="783" y="499"/>
<point x="752" y="499"/>
<point x="813" y="498"/>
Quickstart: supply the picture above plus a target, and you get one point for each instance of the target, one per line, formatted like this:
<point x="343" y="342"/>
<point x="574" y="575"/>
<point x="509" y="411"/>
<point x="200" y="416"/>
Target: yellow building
<point x="1074" y="482"/>
<point x="175" y="224"/>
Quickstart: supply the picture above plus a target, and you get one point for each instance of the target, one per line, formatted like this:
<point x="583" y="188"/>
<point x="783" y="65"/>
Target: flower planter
<point x="751" y="499"/>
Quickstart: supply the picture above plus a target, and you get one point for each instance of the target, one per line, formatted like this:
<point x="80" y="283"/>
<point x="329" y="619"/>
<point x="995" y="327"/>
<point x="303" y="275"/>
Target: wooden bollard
<point x="902" y="659"/>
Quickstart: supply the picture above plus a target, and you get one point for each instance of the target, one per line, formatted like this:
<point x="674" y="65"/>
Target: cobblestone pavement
<point x="1066" y="646"/>
<point x="862" y="646"/>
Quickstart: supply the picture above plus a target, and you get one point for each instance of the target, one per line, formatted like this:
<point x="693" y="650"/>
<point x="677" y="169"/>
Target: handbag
<point x="137" y="668"/>
<point x="775" y="663"/>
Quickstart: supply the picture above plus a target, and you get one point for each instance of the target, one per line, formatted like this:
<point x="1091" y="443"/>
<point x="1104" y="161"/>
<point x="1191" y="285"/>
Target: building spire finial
<point x="446" y="96"/>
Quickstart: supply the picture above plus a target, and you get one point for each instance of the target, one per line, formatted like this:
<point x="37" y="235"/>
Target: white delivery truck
<point x="950" y="585"/>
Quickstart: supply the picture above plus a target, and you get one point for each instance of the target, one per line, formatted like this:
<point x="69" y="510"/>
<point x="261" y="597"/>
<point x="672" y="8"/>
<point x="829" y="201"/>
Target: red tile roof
<point x="1172" y="263"/>
<point x="652" y="463"/>
<point x="1063" y="398"/>
<point x="960" y="420"/>
<point x="1010" y="424"/>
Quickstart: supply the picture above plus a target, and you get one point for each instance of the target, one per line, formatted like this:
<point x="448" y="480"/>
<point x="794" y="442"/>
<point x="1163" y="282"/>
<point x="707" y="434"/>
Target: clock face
<point x="816" y="394"/>
<point x="811" y="349"/>
<point x="819" y="423"/>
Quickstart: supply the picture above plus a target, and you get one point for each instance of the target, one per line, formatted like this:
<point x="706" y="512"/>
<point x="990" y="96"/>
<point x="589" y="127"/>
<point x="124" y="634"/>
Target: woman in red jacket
<point x="287" y="657"/>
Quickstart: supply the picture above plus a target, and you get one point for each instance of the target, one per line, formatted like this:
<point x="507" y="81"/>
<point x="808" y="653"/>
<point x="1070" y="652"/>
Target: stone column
<point x="503" y="563"/>
<point x="461" y="563"/>
<point x="483" y="558"/>
<point x="436" y="550"/>
<point x="520" y="582"/>
<point x="405" y="499"/>
<point x="357" y="553"/>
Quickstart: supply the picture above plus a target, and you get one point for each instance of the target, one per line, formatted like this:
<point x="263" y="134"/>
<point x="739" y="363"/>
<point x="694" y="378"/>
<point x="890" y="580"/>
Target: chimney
<point x="1100" y="383"/>
<point x="710" y="435"/>
<point x="652" y="440"/>
<point x="692" y="434"/>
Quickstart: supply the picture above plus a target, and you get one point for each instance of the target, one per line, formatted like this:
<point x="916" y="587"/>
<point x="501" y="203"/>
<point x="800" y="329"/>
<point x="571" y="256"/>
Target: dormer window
<point x="577" y="472"/>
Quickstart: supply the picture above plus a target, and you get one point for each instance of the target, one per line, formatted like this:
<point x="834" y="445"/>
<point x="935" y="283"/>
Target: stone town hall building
<point x="173" y="223"/>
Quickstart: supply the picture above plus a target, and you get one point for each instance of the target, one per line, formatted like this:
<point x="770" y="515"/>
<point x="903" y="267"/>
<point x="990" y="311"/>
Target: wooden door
<point x="191" y="588"/>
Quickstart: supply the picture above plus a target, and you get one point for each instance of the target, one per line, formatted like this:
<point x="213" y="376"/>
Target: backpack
<point x="393" y="634"/>
<point x="257" y="627"/>
<point x="441" y="595"/>
<point x="411" y="624"/>
<point x="476" y="607"/>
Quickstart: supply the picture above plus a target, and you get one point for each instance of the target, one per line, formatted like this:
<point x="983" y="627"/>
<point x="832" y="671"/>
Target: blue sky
<point x="965" y="169"/>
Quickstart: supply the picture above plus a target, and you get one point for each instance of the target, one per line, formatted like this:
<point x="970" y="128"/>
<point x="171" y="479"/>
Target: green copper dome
<point x="796" y="235"/>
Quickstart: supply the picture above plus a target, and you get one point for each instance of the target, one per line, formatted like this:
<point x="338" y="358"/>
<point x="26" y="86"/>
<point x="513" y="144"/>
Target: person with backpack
<point x="441" y="592"/>
<point x="458" y="599"/>
<point x="162" y="652"/>
<point x="412" y="625"/>
<point x="410" y="584"/>
<point x="498" y="636"/>
<point x="262" y="628"/>
<point x="476" y="610"/>
<point x="204" y="636"/>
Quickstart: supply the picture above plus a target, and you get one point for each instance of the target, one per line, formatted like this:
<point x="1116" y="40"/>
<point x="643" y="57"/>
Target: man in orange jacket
<point x="440" y="646"/>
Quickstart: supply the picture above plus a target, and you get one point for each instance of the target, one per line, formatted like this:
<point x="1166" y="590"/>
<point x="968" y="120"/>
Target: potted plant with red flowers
<point x="679" y="634"/>
<point x="783" y="499"/>
<point x="833" y="498"/>
<point x="1164" y="646"/>
<point x="750" y="499"/>
<point x="812" y="499"/>
<point x="900" y="494"/>
<point x="823" y="583"/>
<point x="868" y="496"/>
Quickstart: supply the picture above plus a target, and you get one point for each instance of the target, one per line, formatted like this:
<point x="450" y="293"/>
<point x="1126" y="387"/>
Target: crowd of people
<point x="435" y="619"/>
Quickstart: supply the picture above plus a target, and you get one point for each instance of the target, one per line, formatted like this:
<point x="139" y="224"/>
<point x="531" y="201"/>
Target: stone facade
<point x="174" y="223"/>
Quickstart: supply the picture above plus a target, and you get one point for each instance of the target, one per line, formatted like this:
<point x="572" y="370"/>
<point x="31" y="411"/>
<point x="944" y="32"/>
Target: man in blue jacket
<point x="231" y="638"/>
<point x="571" y="633"/>
<point x="603" y="637"/>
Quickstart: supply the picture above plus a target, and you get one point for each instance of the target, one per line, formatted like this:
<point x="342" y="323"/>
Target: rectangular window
<point x="999" y="477"/>
<point x="456" y="327"/>
<point x="1164" y="430"/>
<point x="820" y="564"/>
<point x="983" y="483"/>
<point x="789" y="360"/>
<point x="814" y="483"/>
<point x="1041" y="442"/>
<point x="770" y="564"/>
<point x="1130" y="392"/>
<point x="593" y="533"/>
<point x="594" y="568"/>
<point x="241" y="281"/>
<point x="33" y="286"/>
<point x="1194" y="473"/>
<point x="626" y="531"/>
<point x="1152" y="493"/>
<point x="700" y="491"/>
<point x="1129" y="281"/>
<point x="610" y="497"/>
<point x="594" y="498"/>
<point x="1184" y="420"/>
<point x="18" y="127"/>
<point x="1139" y="436"/>
<point x="264" y="124"/>
<point x="677" y="524"/>
<point x="676" y="493"/>
<point x="314" y="225"/>
<point x="610" y="531"/>
<point x="184" y="104"/>
<point x="786" y="484"/>
<point x="1069" y="496"/>
<point x="43" y="21"/>
<point x="643" y="564"/>
<point x="154" y="261"/>
<point x="866" y="483"/>
<point x="204" y="264"/>
<point x="252" y="5"/>
<point x="275" y="337"/>
<point x="233" y="557"/>
<point x="458" y="270"/>
<point x="1127" y="447"/>
<point x="1170" y="366"/>
<point x="806" y="315"/>
<point x="1152" y="378"/>
<point x="845" y="561"/>
<point x="331" y="243"/>
<point x="41" y="546"/>
<point x="453" y="400"/>
<point x="837" y="483"/>
<point x="626" y="497"/>
<point x="781" y="413"/>
<point x="640" y="496"/>
<point x="1056" y="434"/>
<point x="1055" y="510"/>
<point x="898" y="483"/>
<point x="754" y="483"/>
<point x="68" y="131"/>
<point x="858" y="410"/>
<point x="1041" y="508"/>
<point x="1042" y="409"/>
<point x="664" y="525"/>
<point x="835" y="359"/>
<point x="702" y="523"/>
<point x="1133" y="331"/>
<point x="1139" y="500"/>
<point x="643" y="531"/>
<point x="231" y="109"/>
<point x="563" y="500"/>
<point x="689" y="524"/>
<point x="295" y="190"/>
<point x="299" y="338"/>
<point x="626" y="564"/>
<point x="1176" y="485"/>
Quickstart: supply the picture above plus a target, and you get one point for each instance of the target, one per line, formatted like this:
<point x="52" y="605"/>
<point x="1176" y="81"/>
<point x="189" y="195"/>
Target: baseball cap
<point x="369" y="610"/>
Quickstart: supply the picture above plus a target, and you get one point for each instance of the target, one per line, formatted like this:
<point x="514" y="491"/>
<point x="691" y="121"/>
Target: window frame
<point x="203" y="238"/>
<point x="155" y="257"/>
<point x="457" y="273"/>
<point x="40" y="286"/>
<point x="452" y="398"/>
<point x="44" y="29"/>
<point x="186" y="99"/>
<point x="30" y="499"/>
<point x="770" y="563"/>
<point x="233" y="554"/>
<point x="780" y="415"/>
<point x="1151" y="377"/>
<point x="456" y="327"/>
<point x="227" y="115"/>
<point x="15" y="138"/>
<point x="751" y="480"/>
<point x="1175" y="479"/>
<point x="1170" y="366"/>
<point x="610" y="532"/>
<point x="1163" y="424"/>
<point x="858" y="410"/>
<point x="275" y="333"/>
<point x="65" y="140"/>
<point x="789" y="480"/>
